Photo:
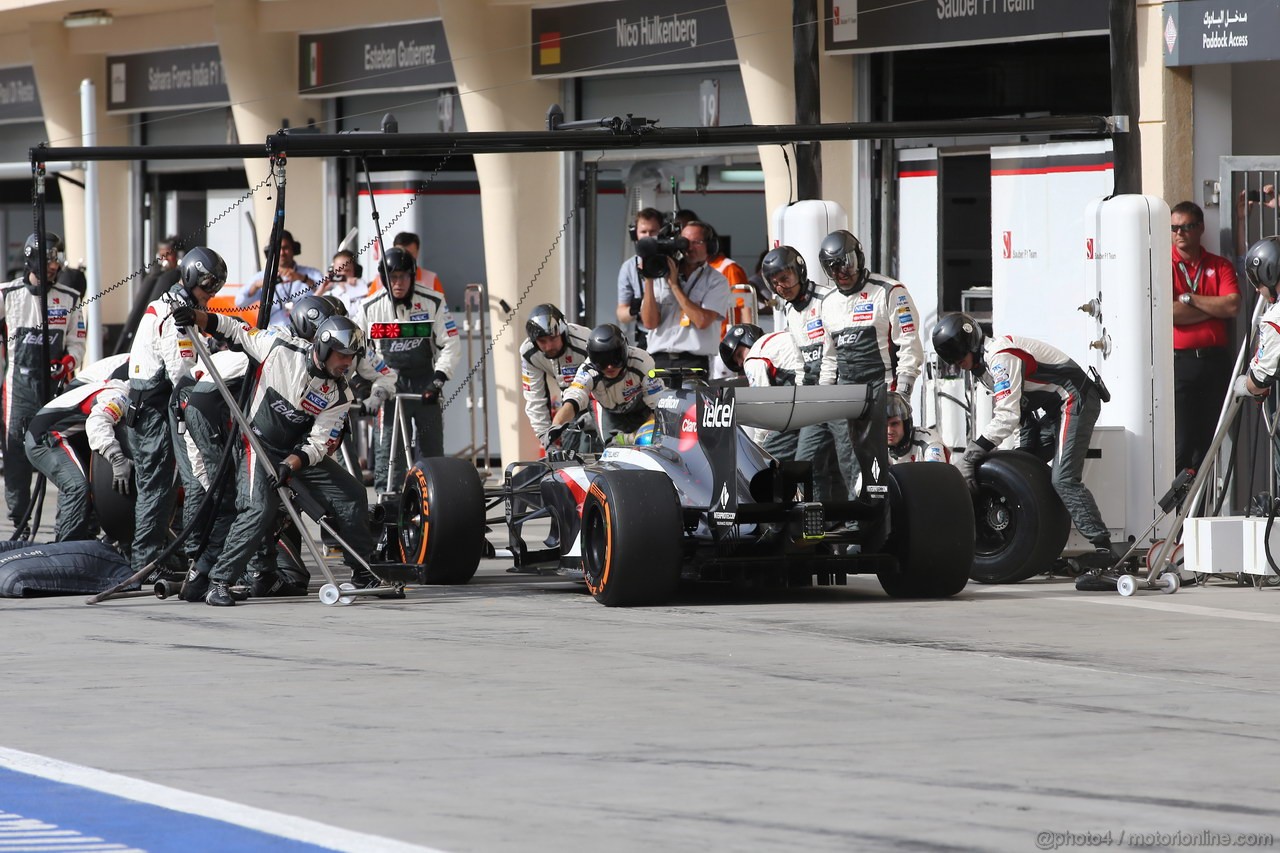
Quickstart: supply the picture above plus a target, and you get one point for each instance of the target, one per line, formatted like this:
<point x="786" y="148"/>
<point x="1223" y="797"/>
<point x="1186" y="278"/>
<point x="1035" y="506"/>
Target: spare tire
<point x="1021" y="524"/>
<point x="115" y="511"/>
<point x="61" y="568"/>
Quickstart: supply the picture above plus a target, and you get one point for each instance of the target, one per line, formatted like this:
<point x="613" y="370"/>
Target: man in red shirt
<point x="1206" y="298"/>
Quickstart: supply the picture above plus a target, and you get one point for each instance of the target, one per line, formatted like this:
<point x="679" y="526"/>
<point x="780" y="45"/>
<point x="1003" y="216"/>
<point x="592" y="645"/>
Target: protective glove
<point x="973" y="454"/>
<point x="904" y="386"/>
<point x="1241" y="388"/>
<point x="283" y="473"/>
<point x="184" y="316"/>
<point x="432" y="394"/>
<point x="61" y="369"/>
<point x="121" y="472"/>
<point x="374" y="401"/>
<point x="551" y="437"/>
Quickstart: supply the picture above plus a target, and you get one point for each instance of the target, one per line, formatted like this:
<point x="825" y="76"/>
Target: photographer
<point x="294" y="282"/>
<point x="344" y="282"/>
<point x="648" y="225"/>
<point x="683" y="308"/>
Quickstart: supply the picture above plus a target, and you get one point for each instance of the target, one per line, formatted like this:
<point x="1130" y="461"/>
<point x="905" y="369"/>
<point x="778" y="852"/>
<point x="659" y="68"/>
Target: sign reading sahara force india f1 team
<point x="613" y="37"/>
<point x="412" y="55"/>
<point x="1199" y="32"/>
<point x="865" y="26"/>
<point x="166" y="79"/>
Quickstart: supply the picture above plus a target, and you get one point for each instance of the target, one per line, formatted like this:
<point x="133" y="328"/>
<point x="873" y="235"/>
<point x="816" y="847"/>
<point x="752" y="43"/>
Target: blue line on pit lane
<point x="116" y="823"/>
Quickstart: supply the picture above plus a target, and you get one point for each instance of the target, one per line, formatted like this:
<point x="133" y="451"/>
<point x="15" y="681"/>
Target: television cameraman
<point x="685" y="299"/>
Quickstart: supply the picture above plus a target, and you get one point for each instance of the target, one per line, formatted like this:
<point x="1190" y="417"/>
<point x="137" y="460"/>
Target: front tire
<point x="1021" y="523"/>
<point x="441" y="519"/>
<point x="632" y="538"/>
<point x="931" y="531"/>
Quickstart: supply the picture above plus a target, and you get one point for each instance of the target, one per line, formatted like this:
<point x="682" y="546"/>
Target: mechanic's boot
<point x="195" y="587"/>
<point x="363" y="579"/>
<point x="219" y="596"/>
<point x="1100" y="572"/>
<point x="275" y="585"/>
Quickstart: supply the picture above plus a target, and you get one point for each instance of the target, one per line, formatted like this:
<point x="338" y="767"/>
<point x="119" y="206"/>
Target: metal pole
<point x="92" y="307"/>
<point x="804" y="43"/>
<point x="42" y="257"/>
<point x="1126" y="147"/>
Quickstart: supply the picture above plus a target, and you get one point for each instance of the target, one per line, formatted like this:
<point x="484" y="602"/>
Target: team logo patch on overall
<point x="814" y="329"/>
<point x="862" y="311"/>
<point x="526" y="381"/>
<point x="906" y="320"/>
<point x="314" y="403"/>
<point x="419" y="317"/>
<point x="450" y="328"/>
<point x="58" y="316"/>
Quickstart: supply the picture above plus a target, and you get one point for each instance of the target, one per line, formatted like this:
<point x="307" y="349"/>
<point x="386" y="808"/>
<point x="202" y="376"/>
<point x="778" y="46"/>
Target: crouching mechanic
<point x="94" y="408"/>
<point x="617" y="376"/>
<point x="412" y="330"/>
<point x="908" y="442"/>
<point x="549" y="360"/>
<point x="27" y="372"/>
<point x="297" y="413"/>
<point x="767" y="360"/>
<point x="1025" y="374"/>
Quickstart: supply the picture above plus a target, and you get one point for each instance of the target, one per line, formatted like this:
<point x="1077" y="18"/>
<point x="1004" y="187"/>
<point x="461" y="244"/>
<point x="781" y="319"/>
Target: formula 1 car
<point x="702" y="502"/>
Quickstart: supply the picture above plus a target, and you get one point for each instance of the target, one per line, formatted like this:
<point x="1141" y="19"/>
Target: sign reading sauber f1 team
<point x="866" y="26"/>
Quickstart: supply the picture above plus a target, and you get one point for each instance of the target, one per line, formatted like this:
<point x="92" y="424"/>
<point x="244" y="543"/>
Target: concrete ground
<point x="516" y="714"/>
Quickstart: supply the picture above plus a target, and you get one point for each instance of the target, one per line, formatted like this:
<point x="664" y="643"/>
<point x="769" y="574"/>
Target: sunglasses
<point x="1184" y="228"/>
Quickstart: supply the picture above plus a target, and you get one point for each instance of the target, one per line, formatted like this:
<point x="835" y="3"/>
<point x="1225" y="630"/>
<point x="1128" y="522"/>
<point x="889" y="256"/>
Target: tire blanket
<point x="60" y="568"/>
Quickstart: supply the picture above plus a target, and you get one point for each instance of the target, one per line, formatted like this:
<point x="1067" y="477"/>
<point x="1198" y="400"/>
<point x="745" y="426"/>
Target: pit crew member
<point x="549" y="360"/>
<point x="767" y="360"/>
<point x="424" y="363"/>
<point x="617" y="376"/>
<point x="24" y="378"/>
<point x="908" y="442"/>
<point x="1025" y="374"/>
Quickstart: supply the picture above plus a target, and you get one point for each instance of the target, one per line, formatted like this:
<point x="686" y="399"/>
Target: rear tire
<point x="931" y="531"/>
<point x="1021" y="523"/>
<point x="632" y="538"/>
<point x="441" y="519"/>
<point x="115" y="511"/>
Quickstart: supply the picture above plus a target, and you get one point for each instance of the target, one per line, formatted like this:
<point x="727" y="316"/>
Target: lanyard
<point x="1192" y="284"/>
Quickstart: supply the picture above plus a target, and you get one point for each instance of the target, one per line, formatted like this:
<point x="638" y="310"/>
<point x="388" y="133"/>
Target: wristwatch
<point x="1185" y="299"/>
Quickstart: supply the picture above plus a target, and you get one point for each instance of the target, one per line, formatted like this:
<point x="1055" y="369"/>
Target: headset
<point x="285" y="236"/>
<point x="712" y="238"/>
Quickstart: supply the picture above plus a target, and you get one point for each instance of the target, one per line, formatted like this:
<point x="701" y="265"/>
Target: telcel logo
<point x="717" y="414"/>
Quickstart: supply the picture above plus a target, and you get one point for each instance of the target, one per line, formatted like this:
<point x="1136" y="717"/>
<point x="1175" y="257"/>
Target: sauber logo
<point x="1008" y="243"/>
<point x="717" y="414"/>
<point x="1088" y="248"/>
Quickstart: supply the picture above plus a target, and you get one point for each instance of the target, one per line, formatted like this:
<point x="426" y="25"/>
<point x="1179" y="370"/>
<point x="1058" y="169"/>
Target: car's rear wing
<point x="788" y="407"/>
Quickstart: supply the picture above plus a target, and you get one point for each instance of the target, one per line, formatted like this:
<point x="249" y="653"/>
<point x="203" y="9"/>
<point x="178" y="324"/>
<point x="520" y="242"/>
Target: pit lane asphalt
<point x="516" y="714"/>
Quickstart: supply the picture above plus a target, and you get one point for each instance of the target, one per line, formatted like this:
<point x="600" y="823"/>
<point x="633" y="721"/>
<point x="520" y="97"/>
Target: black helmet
<point x="955" y="335"/>
<point x="896" y="405"/>
<point x="1262" y="264"/>
<point x="786" y="258"/>
<point x="544" y="321"/>
<point x="31" y="254"/>
<point x="337" y="334"/>
<point x="398" y="260"/>
<point x="607" y="347"/>
<point x="308" y="313"/>
<point x="740" y="335"/>
<point x="339" y="307"/>
<point x="841" y="250"/>
<point x="203" y="268"/>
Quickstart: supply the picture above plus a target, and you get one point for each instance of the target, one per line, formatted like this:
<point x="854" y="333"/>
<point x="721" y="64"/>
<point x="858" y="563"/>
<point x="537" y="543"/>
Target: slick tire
<point x="931" y="531"/>
<point x="115" y="511"/>
<point x="632" y="538"/>
<point x="1020" y="522"/>
<point x="441" y="519"/>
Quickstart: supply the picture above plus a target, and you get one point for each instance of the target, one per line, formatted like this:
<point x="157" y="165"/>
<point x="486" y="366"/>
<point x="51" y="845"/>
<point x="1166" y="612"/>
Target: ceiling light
<point x="742" y="176"/>
<point x="90" y="18"/>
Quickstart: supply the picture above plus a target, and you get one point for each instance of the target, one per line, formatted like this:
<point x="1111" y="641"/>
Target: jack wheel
<point x="1126" y="585"/>
<point x="331" y="595"/>
<point x="1170" y="582"/>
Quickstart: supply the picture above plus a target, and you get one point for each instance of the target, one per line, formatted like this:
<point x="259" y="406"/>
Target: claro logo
<point x="717" y="414"/>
